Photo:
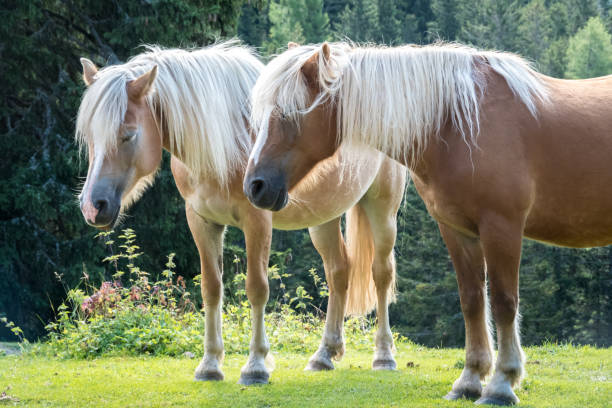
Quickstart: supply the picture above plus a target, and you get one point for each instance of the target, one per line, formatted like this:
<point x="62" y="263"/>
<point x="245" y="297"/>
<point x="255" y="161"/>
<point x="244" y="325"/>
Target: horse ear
<point x="141" y="86"/>
<point x="292" y="44"/>
<point x="89" y="71"/>
<point x="310" y="69"/>
<point x="326" y="51"/>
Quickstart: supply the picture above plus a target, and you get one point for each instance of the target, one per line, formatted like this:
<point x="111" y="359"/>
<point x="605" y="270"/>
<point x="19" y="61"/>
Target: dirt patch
<point x="4" y="397"/>
<point x="9" y="349"/>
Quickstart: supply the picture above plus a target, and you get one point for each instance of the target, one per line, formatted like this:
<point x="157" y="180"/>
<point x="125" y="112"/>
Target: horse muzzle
<point x="267" y="191"/>
<point x="101" y="210"/>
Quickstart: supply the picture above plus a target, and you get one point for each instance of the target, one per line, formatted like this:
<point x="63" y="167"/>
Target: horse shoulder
<point x="461" y="183"/>
<point x="182" y="178"/>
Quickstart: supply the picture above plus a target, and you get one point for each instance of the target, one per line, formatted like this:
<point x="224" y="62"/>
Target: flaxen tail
<point x="361" y="297"/>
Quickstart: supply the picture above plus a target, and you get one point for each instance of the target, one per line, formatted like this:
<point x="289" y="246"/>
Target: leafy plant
<point x="134" y="314"/>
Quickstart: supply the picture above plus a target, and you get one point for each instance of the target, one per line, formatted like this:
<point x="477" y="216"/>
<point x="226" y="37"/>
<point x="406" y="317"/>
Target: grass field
<point x="558" y="376"/>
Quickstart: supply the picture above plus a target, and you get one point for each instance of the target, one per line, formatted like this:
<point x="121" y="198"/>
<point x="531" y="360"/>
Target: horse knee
<point x="211" y="290"/>
<point x="337" y="277"/>
<point x="504" y="307"/>
<point x="473" y="303"/>
<point x="257" y="290"/>
<point x="383" y="273"/>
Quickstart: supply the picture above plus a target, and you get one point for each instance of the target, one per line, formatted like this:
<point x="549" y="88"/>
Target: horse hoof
<point x="467" y="394"/>
<point x="503" y="400"/>
<point x="386" y="364"/>
<point x="254" y="378"/>
<point x="319" y="365"/>
<point x="209" y="376"/>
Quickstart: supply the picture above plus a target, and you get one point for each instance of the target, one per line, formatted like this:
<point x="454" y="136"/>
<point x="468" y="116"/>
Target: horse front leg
<point x="258" y="237"/>
<point x="209" y="241"/>
<point x="328" y="241"/>
<point x="501" y="244"/>
<point x="468" y="260"/>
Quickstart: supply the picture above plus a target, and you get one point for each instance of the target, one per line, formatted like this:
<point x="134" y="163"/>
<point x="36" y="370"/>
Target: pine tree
<point x="301" y="21"/>
<point x="535" y="30"/>
<point x="333" y="8"/>
<point x="554" y="61"/>
<point x="446" y="24"/>
<point x="253" y="25"/>
<point x="389" y="30"/>
<point x="589" y="53"/>
<point x="491" y="24"/>
<point x="285" y="17"/>
<point x="413" y="16"/>
<point x="579" y="11"/>
<point x="316" y="22"/>
<point x="359" y="21"/>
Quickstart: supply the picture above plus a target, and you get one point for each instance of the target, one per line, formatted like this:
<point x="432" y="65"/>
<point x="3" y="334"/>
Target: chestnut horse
<point x="497" y="151"/>
<point x="196" y="106"/>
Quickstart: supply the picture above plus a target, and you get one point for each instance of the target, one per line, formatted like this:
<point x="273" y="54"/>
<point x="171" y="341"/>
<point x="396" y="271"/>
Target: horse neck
<point x="505" y="123"/>
<point x="234" y="186"/>
<point x="163" y="130"/>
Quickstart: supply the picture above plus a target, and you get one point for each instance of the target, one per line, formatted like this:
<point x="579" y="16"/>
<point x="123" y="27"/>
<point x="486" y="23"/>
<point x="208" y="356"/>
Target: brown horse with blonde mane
<point x="497" y="151"/>
<point x="195" y="104"/>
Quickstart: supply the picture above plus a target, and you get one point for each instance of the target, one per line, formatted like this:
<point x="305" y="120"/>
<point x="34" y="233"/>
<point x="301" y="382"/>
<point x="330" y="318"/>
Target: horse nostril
<point x="257" y="186"/>
<point x="101" y="205"/>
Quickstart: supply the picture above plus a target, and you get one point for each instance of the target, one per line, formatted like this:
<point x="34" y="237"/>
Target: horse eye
<point x="127" y="136"/>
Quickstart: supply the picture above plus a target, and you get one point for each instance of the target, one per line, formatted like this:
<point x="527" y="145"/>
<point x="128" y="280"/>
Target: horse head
<point x="123" y="142"/>
<point x="292" y="138"/>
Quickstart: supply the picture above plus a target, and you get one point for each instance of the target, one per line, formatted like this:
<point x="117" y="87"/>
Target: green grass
<point x="558" y="376"/>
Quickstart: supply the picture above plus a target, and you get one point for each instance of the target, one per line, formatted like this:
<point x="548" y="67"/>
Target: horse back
<point x="551" y="173"/>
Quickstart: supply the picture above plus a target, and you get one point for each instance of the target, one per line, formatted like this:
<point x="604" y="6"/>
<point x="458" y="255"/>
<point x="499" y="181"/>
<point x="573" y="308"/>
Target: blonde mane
<point x="394" y="99"/>
<point x="200" y="100"/>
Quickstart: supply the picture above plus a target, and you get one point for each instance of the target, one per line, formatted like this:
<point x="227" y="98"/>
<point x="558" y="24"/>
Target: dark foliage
<point x="41" y="229"/>
<point x="566" y="294"/>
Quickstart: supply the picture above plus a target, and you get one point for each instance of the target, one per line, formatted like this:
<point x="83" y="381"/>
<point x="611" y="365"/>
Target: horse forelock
<point x="394" y="98"/>
<point x="282" y="88"/>
<point x="200" y="99"/>
<point x="102" y="110"/>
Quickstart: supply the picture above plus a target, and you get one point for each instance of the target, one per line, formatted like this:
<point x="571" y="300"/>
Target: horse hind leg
<point x="468" y="260"/>
<point x="381" y="218"/>
<point x="209" y="240"/>
<point x="328" y="241"/>
<point x="501" y="244"/>
<point x="383" y="270"/>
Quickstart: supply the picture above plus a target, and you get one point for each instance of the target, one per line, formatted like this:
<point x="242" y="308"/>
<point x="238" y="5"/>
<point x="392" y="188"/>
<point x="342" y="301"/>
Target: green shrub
<point x="133" y="315"/>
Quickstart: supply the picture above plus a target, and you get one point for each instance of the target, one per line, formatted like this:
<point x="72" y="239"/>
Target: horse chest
<point x="443" y="209"/>
<point x="219" y="210"/>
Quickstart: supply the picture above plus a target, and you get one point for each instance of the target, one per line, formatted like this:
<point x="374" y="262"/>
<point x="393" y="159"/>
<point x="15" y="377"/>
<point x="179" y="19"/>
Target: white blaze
<point x="262" y="136"/>
<point x="89" y="210"/>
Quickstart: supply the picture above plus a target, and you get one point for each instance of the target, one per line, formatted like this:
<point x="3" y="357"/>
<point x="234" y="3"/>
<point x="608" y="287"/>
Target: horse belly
<point x="570" y="155"/>
<point x="580" y="228"/>
<point x="573" y="206"/>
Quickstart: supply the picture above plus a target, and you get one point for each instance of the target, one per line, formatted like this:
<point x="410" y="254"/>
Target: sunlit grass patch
<point x="557" y="376"/>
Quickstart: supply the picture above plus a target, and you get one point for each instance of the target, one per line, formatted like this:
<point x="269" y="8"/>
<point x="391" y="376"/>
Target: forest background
<point x="565" y="293"/>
